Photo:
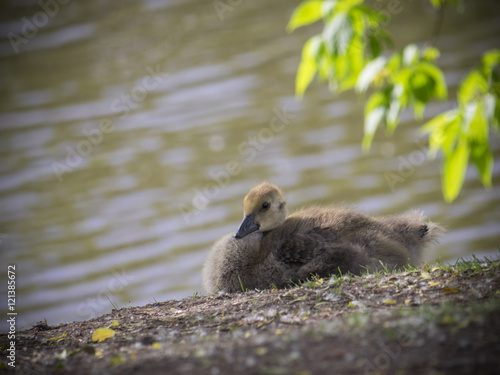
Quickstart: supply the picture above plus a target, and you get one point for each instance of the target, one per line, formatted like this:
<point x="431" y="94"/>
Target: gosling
<point x="274" y="249"/>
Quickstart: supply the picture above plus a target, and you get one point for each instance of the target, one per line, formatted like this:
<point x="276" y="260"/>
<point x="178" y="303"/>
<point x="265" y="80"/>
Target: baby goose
<point x="272" y="248"/>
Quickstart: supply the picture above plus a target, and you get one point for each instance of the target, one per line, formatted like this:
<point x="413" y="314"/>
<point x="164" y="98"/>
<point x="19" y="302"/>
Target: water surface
<point x="131" y="131"/>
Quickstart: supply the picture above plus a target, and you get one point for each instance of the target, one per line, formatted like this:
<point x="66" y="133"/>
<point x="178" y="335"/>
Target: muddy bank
<point x="435" y="320"/>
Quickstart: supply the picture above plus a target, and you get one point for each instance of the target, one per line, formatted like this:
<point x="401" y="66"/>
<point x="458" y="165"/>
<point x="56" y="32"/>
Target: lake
<point x="131" y="131"/>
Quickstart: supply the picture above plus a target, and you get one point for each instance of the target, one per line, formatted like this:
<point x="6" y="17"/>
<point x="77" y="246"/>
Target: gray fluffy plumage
<point x="315" y="240"/>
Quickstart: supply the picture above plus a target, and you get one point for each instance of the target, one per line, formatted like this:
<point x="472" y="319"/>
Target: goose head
<point x="264" y="208"/>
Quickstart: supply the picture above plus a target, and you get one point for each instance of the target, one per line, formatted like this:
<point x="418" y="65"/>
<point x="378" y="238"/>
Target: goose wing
<point x="300" y="248"/>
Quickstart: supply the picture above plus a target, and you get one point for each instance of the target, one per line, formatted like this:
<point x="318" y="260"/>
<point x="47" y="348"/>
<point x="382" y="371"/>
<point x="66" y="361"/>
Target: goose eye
<point x="265" y="205"/>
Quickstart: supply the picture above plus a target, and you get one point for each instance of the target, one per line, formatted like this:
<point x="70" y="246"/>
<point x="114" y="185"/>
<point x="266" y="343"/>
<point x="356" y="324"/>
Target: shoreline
<point x="442" y="319"/>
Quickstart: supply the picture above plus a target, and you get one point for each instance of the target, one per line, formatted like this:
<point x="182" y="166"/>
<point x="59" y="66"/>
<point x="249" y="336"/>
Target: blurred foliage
<point x="349" y="54"/>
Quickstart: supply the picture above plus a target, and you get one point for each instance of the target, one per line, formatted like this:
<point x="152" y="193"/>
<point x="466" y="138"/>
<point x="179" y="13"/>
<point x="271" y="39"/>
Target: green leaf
<point x="496" y="121"/>
<point x="418" y="110"/>
<point x="430" y="54"/>
<point x="328" y="8"/>
<point x="325" y="65"/>
<point x="472" y="87"/>
<point x="482" y="157"/>
<point x="475" y="124"/>
<point x="350" y="66"/>
<point x="451" y="132"/>
<point x="338" y="34"/>
<point x="355" y="58"/>
<point x="422" y="86"/>
<point x="372" y="120"/>
<point x="490" y="60"/>
<point x="306" y="13"/>
<point x="393" y="115"/>
<point x="397" y="103"/>
<point x="443" y="130"/>
<point x="395" y="62"/>
<point x="347" y="6"/>
<point x="454" y="168"/>
<point x="468" y="112"/>
<point x="369" y="16"/>
<point x="435" y="128"/>
<point x="427" y="82"/>
<point x="440" y="91"/>
<point x="489" y="103"/>
<point x="436" y="3"/>
<point x="316" y="48"/>
<point x="308" y="65"/>
<point x="377" y="99"/>
<point x="369" y="73"/>
<point x="410" y="54"/>
<point x="375" y="45"/>
<point x="358" y="24"/>
<point x="439" y="122"/>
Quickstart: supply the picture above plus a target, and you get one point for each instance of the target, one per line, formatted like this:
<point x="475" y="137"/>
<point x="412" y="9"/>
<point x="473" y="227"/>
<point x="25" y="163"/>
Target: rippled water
<point x="131" y="131"/>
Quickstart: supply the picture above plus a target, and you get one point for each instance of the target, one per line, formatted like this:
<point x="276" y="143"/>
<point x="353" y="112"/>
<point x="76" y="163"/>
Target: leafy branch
<point x="348" y="54"/>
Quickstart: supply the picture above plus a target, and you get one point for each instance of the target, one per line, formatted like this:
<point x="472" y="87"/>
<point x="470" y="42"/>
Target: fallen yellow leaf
<point x="389" y="302"/>
<point x="101" y="334"/>
<point x="57" y="337"/>
<point x="433" y="284"/>
<point x="425" y="275"/>
<point x="447" y="319"/>
<point x="115" y="361"/>
<point x="157" y="345"/>
<point x="298" y="299"/>
<point x="114" y="323"/>
<point x="261" y="350"/>
<point x="450" y="290"/>
<point x="359" y="304"/>
<point x="279" y="331"/>
<point x="407" y="301"/>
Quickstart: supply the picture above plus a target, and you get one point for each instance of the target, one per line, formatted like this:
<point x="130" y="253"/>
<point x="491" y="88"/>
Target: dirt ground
<point x="431" y="321"/>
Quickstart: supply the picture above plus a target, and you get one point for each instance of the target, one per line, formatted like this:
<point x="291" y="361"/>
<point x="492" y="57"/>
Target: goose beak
<point x="247" y="226"/>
